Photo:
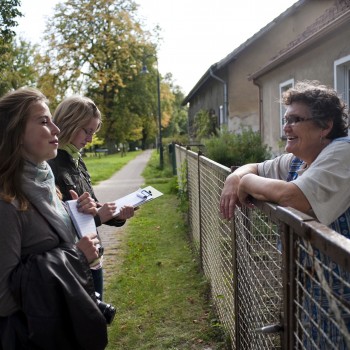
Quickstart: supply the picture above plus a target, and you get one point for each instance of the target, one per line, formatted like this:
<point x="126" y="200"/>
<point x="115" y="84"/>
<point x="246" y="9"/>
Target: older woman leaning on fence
<point x="313" y="176"/>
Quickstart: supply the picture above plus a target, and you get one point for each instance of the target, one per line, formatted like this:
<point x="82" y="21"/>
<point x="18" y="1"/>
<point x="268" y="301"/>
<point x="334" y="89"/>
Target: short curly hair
<point x="324" y="103"/>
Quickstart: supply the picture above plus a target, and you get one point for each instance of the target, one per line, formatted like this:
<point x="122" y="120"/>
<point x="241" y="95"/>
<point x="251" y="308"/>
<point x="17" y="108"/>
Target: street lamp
<point x="145" y="71"/>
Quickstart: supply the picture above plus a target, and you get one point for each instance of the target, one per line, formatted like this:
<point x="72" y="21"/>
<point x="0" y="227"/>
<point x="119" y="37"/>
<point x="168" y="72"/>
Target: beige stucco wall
<point x="243" y="94"/>
<point x="314" y="63"/>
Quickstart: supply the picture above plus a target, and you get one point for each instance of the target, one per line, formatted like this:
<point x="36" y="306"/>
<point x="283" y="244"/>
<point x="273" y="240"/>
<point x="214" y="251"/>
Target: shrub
<point x="236" y="149"/>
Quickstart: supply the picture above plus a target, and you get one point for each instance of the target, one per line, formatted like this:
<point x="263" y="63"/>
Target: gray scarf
<point x="38" y="185"/>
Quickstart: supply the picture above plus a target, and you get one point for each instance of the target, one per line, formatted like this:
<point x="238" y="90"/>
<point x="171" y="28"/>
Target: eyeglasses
<point x="294" y="119"/>
<point x="88" y="133"/>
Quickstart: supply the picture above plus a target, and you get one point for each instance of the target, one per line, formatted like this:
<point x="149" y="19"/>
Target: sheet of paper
<point x="135" y="199"/>
<point x="84" y="223"/>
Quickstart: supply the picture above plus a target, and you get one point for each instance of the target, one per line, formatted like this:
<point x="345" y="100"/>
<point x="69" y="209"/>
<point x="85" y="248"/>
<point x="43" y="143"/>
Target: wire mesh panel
<point x="259" y="279"/>
<point x="193" y="198"/>
<point x="322" y="302"/>
<point x="217" y="242"/>
<point x="181" y="166"/>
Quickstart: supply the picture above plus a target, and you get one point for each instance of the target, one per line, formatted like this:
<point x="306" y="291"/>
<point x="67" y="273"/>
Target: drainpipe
<point x="261" y="124"/>
<point x="225" y="93"/>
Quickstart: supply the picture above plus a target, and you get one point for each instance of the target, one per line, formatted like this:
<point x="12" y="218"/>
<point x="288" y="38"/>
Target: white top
<point x="325" y="184"/>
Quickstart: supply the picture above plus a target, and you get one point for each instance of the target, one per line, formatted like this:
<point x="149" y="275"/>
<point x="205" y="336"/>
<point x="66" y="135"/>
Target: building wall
<point x="316" y="62"/>
<point x="208" y="98"/>
<point x="243" y="94"/>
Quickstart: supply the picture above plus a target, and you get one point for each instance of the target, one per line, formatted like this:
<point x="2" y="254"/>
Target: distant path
<point x="124" y="181"/>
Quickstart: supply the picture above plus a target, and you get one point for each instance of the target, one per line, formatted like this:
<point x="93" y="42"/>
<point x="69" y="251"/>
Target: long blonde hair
<point x="15" y="108"/>
<point x="72" y="114"/>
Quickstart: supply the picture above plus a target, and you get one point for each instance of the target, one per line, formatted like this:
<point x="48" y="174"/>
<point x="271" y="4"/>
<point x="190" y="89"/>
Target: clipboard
<point x="137" y="198"/>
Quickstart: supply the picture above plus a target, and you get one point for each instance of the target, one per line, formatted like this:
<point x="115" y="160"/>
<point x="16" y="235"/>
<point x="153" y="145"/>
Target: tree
<point x="205" y="124"/>
<point x="8" y="13"/>
<point x="21" y="58"/>
<point x="97" y="47"/>
<point x="177" y="127"/>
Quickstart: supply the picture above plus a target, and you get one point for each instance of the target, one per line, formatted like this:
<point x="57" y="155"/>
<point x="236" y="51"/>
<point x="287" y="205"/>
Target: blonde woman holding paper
<point x="79" y="119"/>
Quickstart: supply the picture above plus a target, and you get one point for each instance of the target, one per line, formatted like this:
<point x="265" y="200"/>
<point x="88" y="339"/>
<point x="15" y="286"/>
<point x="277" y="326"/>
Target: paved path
<point x="124" y="181"/>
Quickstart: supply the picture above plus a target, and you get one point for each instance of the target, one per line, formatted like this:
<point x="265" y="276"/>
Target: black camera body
<point x="108" y="311"/>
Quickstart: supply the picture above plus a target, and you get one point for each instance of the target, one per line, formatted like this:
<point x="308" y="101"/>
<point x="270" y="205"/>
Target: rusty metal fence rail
<point x="279" y="279"/>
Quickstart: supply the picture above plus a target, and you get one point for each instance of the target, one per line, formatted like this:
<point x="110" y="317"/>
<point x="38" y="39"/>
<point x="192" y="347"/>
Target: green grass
<point x="103" y="167"/>
<point x="160" y="295"/>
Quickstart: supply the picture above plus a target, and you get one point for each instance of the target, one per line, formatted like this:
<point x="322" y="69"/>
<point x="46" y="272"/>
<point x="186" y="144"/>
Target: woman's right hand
<point x="229" y="196"/>
<point x="89" y="246"/>
<point x="106" y="212"/>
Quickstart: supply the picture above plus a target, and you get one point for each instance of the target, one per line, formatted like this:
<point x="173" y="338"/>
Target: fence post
<point x="172" y="157"/>
<point x="235" y="281"/>
<point x="286" y="275"/>
<point x="288" y="255"/>
<point x="200" y="209"/>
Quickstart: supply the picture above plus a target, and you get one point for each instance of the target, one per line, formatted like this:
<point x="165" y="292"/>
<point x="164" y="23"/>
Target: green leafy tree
<point x="205" y="124"/>
<point x="97" y="47"/>
<point x="21" y="58"/>
<point x="177" y="128"/>
<point x="8" y="13"/>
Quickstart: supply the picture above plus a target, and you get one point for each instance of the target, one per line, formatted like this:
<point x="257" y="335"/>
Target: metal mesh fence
<point x="278" y="278"/>
<point x="217" y="243"/>
<point x="322" y="300"/>
<point x="259" y="285"/>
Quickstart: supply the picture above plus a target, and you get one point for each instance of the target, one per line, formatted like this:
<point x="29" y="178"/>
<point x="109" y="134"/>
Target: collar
<point x="73" y="152"/>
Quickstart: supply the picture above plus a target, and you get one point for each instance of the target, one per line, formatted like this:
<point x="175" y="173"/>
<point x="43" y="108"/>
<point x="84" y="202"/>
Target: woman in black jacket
<point x="79" y="119"/>
<point x="37" y="235"/>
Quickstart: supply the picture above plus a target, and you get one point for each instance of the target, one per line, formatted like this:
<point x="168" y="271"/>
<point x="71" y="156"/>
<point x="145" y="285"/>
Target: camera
<point x="108" y="311"/>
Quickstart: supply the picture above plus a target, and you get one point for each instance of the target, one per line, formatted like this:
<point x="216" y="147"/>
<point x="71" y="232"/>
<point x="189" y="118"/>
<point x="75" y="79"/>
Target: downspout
<point x="225" y="93"/>
<point x="261" y="124"/>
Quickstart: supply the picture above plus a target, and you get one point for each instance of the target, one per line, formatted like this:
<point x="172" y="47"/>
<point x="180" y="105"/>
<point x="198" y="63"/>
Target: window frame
<point x="284" y="86"/>
<point x="342" y="78"/>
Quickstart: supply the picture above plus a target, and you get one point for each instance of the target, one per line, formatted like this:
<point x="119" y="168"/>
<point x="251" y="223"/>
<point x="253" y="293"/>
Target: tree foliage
<point x="205" y="124"/>
<point x="97" y="47"/>
<point x="21" y="58"/>
<point x="8" y="14"/>
<point x="177" y="127"/>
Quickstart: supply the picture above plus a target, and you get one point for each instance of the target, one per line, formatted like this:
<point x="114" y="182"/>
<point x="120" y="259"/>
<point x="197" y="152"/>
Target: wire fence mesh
<point x="279" y="279"/>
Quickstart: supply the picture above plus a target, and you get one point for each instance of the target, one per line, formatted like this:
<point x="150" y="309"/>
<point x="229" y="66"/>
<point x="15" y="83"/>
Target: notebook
<point x="83" y="223"/>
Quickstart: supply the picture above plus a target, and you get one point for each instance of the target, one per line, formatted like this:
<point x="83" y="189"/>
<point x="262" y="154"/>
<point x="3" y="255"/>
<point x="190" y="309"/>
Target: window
<point x="284" y="87"/>
<point x="342" y="78"/>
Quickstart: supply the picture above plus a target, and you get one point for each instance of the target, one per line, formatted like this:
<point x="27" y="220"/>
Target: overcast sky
<point x="196" y="33"/>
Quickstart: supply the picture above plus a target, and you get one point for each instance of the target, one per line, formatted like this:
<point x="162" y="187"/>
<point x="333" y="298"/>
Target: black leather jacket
<point x="69" y="177"/>
<point x="55" y="291"/>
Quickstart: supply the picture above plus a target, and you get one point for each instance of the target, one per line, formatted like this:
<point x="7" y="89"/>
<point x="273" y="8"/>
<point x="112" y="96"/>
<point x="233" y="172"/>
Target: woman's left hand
<point x="85" y="203"/>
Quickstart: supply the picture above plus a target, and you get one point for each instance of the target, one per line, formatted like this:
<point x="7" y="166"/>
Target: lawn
<point x="103" y="167"/>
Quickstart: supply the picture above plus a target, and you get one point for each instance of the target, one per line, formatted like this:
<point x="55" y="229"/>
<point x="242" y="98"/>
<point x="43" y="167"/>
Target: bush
<point x="236" y="149"/>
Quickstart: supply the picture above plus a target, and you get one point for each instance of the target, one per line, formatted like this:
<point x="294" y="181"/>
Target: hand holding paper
<point x="83" y="223"/>
<point x="137" y="198"/>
